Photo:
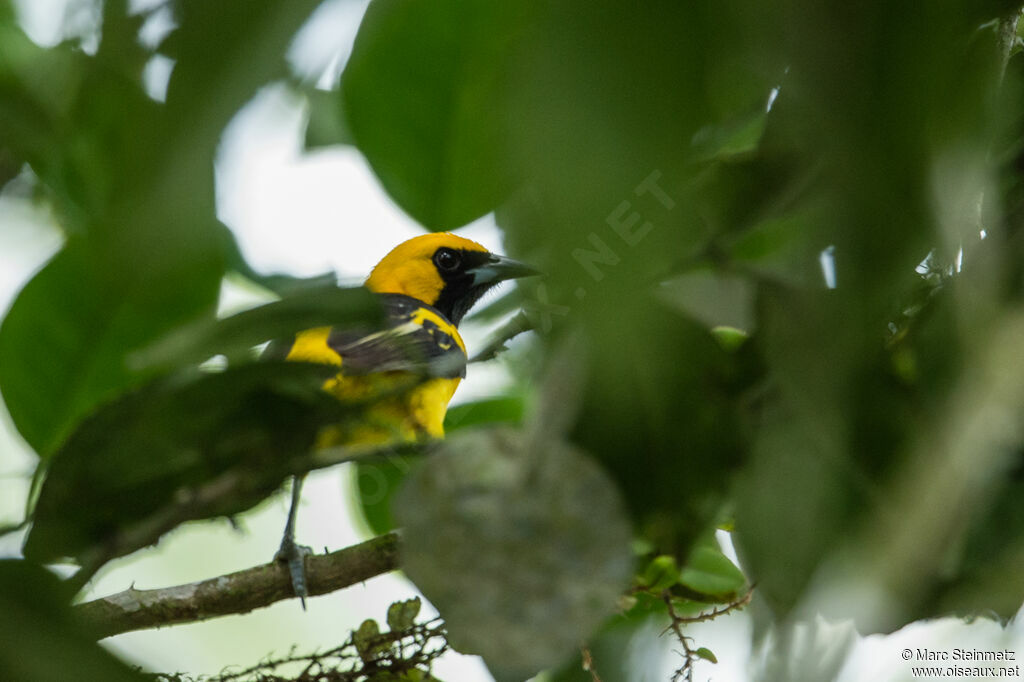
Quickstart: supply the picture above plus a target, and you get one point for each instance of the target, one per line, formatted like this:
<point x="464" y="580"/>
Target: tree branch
<point x="209" y="499"/>
<point x="236" y="593"/>
<point x="508" y="331"/>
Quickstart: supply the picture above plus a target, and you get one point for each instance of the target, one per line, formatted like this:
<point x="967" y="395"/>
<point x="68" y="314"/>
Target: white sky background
<point x="306" y="214"/>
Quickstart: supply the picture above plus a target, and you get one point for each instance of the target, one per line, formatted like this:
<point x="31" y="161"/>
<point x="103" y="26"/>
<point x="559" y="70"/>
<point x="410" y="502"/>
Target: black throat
<point x="460" y="291"/>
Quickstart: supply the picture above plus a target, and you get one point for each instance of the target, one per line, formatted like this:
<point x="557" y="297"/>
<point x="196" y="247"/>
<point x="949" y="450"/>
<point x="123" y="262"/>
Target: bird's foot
<point x="294" y="555"/>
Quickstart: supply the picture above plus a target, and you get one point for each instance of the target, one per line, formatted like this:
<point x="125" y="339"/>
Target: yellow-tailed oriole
<point x="427" y="284"/>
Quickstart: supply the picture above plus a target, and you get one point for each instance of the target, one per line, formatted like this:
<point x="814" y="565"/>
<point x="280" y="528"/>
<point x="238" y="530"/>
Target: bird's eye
<point x="447" y="260"/>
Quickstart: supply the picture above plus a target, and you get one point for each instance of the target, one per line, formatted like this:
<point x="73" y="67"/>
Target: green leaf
<point x="507" y="409"/>
<point x="523" y="548"/>
<point x="422" y="95"/>
<point x="376" y="484"/>
<point x="661" y="574"/>
<point x="367" y="639"/>
<point x="224" y="51"/>
<point x="402" y="614"/>
<point x="37" y="91"/>
<point x="674" y="464"/>
<point x="64" y="341"/>
<point x="136" y="457"/>
<point x="42" y="640"/>
<point x="983" y="575"/>
<point x="706" y="654"/>
<point x="234" y="336"/>
<point x="710" y="573"/>
<point x="615" y="650"/>
<point x="729" y="338"/>
<point x="740" y="136"/>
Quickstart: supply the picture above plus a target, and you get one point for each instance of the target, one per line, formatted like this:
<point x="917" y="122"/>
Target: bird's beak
<point x="498" y="268"/>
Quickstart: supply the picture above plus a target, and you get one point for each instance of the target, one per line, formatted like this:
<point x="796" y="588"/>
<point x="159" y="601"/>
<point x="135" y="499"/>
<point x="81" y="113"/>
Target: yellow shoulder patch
<point x="311" y="346"/>
<point x="421" y="315"/>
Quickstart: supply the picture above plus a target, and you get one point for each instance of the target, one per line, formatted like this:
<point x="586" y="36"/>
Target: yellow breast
<point x="403" y="406"/>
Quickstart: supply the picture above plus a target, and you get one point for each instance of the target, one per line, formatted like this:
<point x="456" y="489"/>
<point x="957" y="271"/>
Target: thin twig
<point x="408" y="653"/>
<point x="677" y="621"/>
<point x="508" y="331"/>
<point x="685" y="671"/>
<point x="588" y="664"/>
<point x="705" y="616"/>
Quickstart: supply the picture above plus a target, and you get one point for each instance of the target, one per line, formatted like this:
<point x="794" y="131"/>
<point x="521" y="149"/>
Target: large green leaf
<point x="677" y="389"/>
<point x="64" y="341"/>
<point x="224" y="51"/>
<point x="134" y="459"/>
<point x="423" y="93"/>
<point x="37" y="90"/>
<point x="235" y="336"/>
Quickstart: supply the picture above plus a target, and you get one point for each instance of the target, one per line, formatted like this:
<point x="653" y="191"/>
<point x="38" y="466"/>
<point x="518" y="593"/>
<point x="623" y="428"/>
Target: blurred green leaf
<point x="741" y="136"/>
<point x="42" y="640"/>
<point x="987" y="576"/>
<point x="224" y="51"/>
<point x="506" y="409"/>
<point x="235" y="336"/>
<point x="665" y="376"/>
<point x="661" y="574"/>
<point x="37" y="91"/>
<point x="366" y="638"/>
<point x="128" y="462"/>
<point x="402" y="614"/>
<point x="376" y="484"/>
<point x="422" y="95"/>
<point x="795" y="496"/>
<point x="523" y="548"/>
<point x="729" y="338"/>
<point x="64" y="341"/>
<point x="626" y="648"/>
<point x="706" y="654"/>
<point x="10" y="166"/>
<point x="782" y="249"/>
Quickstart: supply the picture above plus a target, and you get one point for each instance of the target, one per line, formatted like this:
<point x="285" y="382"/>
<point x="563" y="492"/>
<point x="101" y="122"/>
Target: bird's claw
<point x="294" y="555"/>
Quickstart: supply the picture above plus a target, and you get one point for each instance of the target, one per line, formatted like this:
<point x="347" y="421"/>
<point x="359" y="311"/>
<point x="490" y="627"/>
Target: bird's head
<point x="445" y="271"/>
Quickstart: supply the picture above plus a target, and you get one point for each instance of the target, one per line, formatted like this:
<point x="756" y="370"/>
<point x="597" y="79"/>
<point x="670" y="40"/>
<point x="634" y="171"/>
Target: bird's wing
<point x="419" y="339"/>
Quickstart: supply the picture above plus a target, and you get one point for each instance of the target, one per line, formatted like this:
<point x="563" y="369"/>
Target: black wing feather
<point x="422" y="348"/>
